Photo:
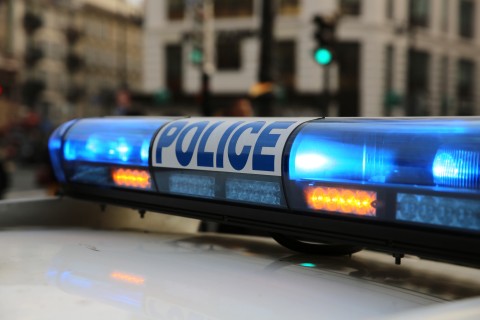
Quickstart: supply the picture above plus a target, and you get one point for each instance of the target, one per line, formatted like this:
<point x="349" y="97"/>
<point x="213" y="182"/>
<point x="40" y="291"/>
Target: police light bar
<point x="406" y="185"/>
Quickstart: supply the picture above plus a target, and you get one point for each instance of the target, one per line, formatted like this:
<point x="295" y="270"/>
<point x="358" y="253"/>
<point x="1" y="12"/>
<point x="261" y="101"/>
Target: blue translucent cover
<point x="441" y="153"/>
<point x="55" y="149"/>
<point x="111" y="140"/>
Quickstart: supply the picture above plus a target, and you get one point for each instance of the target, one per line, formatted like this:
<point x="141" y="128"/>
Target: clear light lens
<point x="189" y="184"/>
<point x="259" y="192"/>
<point x="84" y="173"/>
<point x="441" y="211"/>
<point x="244" y="188"/>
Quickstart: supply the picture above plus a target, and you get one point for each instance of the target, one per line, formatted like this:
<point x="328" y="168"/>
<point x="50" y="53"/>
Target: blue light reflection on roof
<point x="308" y="265"/>
<point x="75" y="280"/>
<point x="388" y="151"/>
<point x="114" y="140"/>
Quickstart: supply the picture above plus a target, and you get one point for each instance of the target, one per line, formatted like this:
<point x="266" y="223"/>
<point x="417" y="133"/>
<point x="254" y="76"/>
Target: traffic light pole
<point x="265" y="72"/>
<point x="326" y="91"/>
<point x="208" y="46"/>
<point x="205" y="94"/>
<point x="201" y="13"/>
<point x="323" y="54"/>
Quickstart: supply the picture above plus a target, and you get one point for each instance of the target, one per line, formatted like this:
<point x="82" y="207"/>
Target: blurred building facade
<point x="393" y="57"/>
<point x="67" y="58"/>
<point x="112" y="48"/>
<point x="9" y="63"/>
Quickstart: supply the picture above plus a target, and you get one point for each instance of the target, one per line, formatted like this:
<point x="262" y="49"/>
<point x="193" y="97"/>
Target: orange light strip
<point x="131" y="178"/>
<point x="125" y="277"/>
<point x="359" y="202"/>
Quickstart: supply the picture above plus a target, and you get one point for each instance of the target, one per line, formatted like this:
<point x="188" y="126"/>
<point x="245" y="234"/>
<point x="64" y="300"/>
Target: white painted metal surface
<point x="219" y="140"/>
<point x="78" y="273"/>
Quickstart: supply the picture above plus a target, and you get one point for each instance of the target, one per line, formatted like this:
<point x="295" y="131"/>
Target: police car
<point x="321" y="187"/>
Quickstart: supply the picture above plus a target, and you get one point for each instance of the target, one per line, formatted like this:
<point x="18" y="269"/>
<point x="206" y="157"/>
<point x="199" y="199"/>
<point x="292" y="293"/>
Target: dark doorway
<point x="465" y="87"/>
<point x="418" y="95"/>
<point x="348" y="97"/>
<point x="173" y="63"/>
<point x="285" y="64"/>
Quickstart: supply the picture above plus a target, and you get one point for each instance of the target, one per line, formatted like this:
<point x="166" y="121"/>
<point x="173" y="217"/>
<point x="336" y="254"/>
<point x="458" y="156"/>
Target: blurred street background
<point x="64" y="59"/>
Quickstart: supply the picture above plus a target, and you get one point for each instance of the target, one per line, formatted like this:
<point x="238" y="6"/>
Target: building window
<point x="466" y="18"/>
<point x="390" y="9"/>
<point x="389" y="64"/>
<point x="3" y="26"/>
<point x="350" y="7"/>
<point x="419" y="12"/>
<point x="285" y="64"/>
<point x="233" y="8"/>
<point x="391" y="98"/>
<point x="175" y="9"/>
<point x="173" y="75"/>
<point x="465" y="85"/>
<point x="228" y="53"/>
<point x="418" y="103"/>
<point x="444" y="102"/>
<point x="444" y="20"/>
<point x="289" y="7"/>
<point x="348" y="57"/>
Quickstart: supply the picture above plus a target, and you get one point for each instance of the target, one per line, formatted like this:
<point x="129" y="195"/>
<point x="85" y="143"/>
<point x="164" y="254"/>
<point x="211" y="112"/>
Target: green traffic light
<point x="196" y="56"/>
<point x="323" y="56"/>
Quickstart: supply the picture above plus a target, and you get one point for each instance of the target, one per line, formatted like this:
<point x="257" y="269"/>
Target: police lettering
<point x="223" y="144"/>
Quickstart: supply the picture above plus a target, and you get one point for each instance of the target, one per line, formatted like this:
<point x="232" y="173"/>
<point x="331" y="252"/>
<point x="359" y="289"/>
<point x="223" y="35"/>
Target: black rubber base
<point x="313" y="247"/>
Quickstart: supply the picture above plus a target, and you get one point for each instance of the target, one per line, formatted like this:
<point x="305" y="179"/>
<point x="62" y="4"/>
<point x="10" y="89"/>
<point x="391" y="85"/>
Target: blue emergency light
<point x="406" y="185"/>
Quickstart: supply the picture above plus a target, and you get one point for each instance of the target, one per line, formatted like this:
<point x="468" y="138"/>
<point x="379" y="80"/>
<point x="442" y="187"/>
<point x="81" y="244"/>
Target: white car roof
<point x="80" y="273"/>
